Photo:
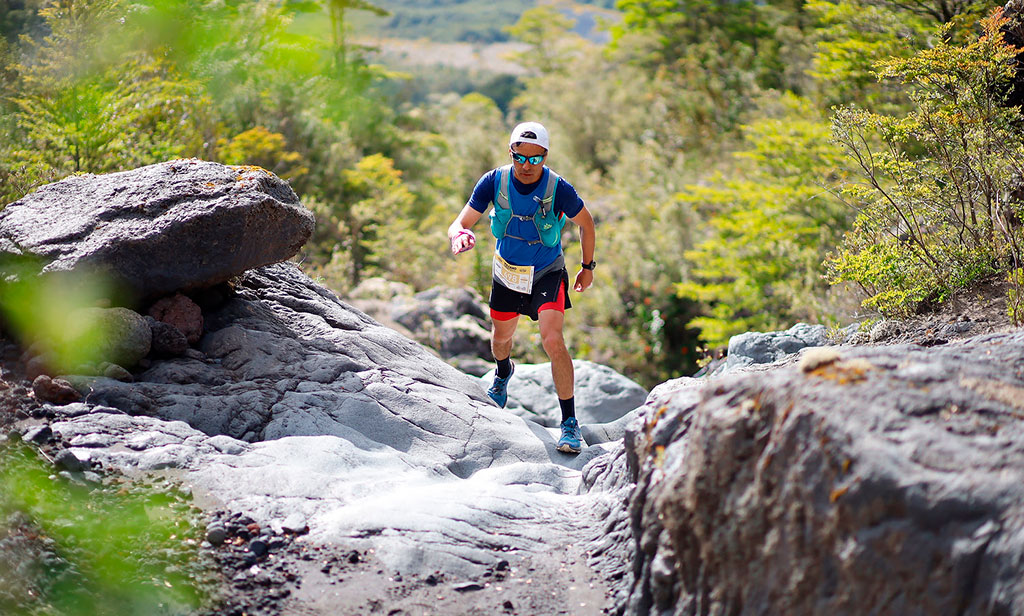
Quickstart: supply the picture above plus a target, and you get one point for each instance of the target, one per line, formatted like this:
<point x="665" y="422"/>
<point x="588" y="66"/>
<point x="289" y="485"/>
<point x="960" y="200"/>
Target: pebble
<point x="258" y="547"/>
<point x="118" y="373"/>
<point x="57" y="391"/>
<point x="295" y="523"/>
<point x="38" y="434"/>
<point x="216" y="534"/>
<point x="69" y="462"/>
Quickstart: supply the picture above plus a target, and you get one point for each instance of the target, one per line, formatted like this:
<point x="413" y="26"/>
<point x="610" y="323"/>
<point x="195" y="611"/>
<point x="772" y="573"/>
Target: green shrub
<point x="935" y="210"/>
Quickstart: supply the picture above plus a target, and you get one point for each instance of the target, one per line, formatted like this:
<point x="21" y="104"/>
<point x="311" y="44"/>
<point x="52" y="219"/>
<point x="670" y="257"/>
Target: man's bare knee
<point x="500" y="338"/>
<point x="553" y="343"/>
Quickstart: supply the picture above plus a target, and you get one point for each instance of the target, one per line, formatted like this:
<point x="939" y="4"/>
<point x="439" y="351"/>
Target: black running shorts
<point x="551" y="292"/>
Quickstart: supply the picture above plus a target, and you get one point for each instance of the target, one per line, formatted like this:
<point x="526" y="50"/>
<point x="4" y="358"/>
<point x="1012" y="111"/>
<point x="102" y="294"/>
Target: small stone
<point x="258" y="547"/>
<point x="216" y="534"/>
<point x="508" y="605"/>
<point x="280" y="593"/>
<point x="468" y="586"/>
<point x="295" y="523"/>
<point x="883" y="330"/>
<point x="68" y="461"/>
<point x="56" y="391"/>
<point x="181" y="312"/>
<point x="118" y="373"/>
<point x="38" y="434"/>
<point x="75" y="409"/>
<point x="168" y="340"/>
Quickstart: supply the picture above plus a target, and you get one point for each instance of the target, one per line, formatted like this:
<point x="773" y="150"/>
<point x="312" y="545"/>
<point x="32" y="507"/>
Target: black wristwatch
<point x="589" y="266"/>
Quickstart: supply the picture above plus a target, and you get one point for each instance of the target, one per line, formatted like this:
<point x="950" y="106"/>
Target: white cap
<point x="530" y="132"/>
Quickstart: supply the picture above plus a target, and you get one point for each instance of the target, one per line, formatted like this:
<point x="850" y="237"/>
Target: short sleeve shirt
<point x="515" y="251"/>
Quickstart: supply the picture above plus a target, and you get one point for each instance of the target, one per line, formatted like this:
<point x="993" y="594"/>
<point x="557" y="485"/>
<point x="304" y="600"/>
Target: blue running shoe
<point x="499" y="389"/>
<point x="571" y="437"/>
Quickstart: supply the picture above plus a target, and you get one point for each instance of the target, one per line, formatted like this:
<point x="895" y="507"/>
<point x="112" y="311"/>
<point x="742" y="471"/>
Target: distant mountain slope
<point x="473" y="21"/>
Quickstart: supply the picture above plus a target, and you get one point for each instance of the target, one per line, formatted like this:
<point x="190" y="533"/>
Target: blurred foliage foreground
<point x="82" y="543"/>
<point x="72" y="547"/>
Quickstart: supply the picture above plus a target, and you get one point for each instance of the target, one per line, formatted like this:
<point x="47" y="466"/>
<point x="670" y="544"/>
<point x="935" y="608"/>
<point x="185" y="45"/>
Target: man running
<point x="531" y="203"/>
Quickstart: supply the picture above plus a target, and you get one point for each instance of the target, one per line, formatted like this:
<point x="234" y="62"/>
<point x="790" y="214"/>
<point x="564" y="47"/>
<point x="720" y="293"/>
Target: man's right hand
<point x="462" y="241"/>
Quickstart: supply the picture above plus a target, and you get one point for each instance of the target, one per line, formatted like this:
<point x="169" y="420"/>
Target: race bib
<point x="516" y="277"/>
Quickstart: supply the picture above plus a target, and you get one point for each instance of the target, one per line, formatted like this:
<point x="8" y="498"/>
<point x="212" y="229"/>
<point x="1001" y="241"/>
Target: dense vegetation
<point x="750" y="164"/>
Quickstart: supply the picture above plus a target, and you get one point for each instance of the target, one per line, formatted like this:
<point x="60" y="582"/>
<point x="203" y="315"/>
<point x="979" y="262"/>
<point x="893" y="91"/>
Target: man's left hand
<point x="583" y="280"/>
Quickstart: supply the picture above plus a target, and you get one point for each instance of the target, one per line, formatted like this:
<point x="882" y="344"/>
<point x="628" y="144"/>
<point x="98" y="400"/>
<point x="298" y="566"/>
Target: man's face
<point x="526" y="172"/>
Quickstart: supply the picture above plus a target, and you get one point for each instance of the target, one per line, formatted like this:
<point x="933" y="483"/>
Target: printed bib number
<point x="516" y="277"/>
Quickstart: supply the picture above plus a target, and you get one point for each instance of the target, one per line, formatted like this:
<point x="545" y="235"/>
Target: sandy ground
<point x="558" y="583"/>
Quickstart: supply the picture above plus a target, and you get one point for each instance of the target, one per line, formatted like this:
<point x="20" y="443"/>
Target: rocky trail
<point x="321" y="463"/>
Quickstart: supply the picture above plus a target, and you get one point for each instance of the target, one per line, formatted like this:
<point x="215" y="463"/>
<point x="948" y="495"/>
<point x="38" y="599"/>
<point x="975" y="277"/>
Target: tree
<point x="258" y="146"/>
<point x="854" y="34"/>
<point x="374" y="228"/>
<point x="937" y="205"/>
<point x="82" y="100"/>
<point x="336" y="9"/>
<point x="768" y="227"/>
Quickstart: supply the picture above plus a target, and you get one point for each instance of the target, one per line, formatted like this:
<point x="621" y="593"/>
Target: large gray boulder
<point x="171" y="226"/>
<point x="866" y="480"/>
<point x="766" y="347"/>
<point x="602" y="395"/>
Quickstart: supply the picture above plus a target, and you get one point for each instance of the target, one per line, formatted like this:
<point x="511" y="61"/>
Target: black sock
<point x="504" y="367"/>
<point x="568" y="407"/>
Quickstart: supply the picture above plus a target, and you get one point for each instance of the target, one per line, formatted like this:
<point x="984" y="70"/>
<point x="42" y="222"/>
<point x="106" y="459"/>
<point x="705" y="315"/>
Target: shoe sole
<point x="568" y="449"/>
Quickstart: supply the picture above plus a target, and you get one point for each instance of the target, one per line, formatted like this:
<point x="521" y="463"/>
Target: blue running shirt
<point x="518" y="252"/>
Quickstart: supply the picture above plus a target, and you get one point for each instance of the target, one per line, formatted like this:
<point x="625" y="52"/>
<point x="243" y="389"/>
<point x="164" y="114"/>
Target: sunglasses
<point x="533" y="160"/>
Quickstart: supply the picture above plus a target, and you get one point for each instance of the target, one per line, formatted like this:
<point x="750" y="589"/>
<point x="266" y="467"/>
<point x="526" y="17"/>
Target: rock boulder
<point x="159" y="229"/>
<point x="766" y="347"/>
<point x="866" y="480"/>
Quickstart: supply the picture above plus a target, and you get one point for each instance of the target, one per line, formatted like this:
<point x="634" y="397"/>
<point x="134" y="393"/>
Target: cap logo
<point x="528" y="134"/>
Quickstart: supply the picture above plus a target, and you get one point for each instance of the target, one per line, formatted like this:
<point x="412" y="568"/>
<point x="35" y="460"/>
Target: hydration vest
<point x="549" y="225"/>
